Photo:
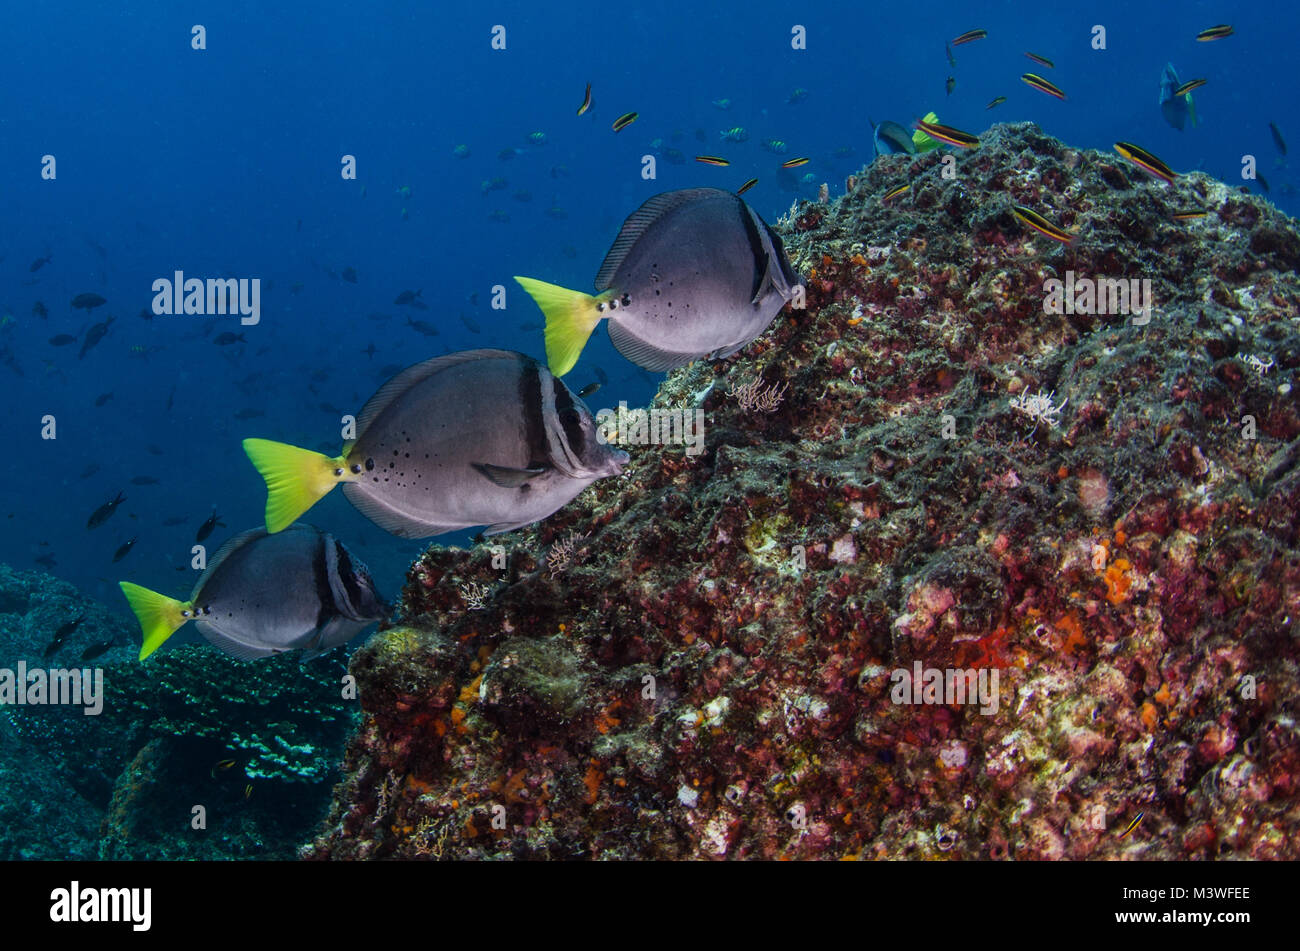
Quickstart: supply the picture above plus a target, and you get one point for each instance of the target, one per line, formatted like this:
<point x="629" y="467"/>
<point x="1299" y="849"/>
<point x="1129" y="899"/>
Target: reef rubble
<point x="923" y="466"/>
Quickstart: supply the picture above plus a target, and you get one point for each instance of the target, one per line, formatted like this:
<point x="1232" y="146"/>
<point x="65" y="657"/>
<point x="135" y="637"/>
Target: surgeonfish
<point x="479" y="437"/>
<point x="1176" y="109"/>
<point x="263" y="594"/>
<point x="891" y="138"/>
<point x="693" y="273"/>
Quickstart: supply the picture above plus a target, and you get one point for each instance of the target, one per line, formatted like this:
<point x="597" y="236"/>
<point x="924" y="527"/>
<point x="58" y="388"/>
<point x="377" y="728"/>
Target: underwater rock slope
<point x="1102" y="511"/>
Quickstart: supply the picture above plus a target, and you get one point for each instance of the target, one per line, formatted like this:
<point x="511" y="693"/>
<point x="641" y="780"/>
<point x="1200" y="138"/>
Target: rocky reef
<point x="923" y="466"/>
<point x="255" y="745"/>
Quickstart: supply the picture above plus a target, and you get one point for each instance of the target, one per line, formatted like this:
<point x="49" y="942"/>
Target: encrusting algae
<point x="722" y="686"/>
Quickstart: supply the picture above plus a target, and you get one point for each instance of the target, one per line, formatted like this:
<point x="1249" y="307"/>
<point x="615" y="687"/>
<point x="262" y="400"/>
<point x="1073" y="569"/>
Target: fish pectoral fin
<point x="506" y="477"/>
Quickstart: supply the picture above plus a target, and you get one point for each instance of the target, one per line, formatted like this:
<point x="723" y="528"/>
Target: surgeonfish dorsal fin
<point x="640" y="220"/>
<point x="231" y="546"/>
<point x="412" y="375"/>
<point x="507" y="477"/>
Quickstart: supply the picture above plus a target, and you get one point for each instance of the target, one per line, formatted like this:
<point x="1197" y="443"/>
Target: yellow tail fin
<point x="571" y="316"/>
<point x="296" y="479"/>
<point x="159" y="615"/>
<point x="922" y="141"/>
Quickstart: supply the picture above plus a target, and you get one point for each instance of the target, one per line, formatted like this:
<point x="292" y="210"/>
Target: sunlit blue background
<point x="227" y="161"/>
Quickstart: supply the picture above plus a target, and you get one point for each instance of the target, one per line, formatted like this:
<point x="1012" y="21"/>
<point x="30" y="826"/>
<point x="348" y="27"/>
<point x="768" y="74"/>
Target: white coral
<point x="1040" y="407"/>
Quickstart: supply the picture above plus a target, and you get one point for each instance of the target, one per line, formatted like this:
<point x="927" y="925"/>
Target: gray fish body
<point x="299" y="589"/>
<point x="698" y="274"/>
<point x="1173" y="108"/>
<point x="481" y="437"/>
<point x="88" y="301"/>
<point x="891" y="138"/>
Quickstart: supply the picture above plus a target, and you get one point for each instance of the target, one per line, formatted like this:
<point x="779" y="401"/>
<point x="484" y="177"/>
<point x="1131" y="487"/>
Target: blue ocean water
<point x="226" y="161"/>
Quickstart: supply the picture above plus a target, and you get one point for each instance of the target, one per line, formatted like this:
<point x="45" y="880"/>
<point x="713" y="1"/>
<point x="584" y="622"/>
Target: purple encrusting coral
<point x="1101" y="510"/>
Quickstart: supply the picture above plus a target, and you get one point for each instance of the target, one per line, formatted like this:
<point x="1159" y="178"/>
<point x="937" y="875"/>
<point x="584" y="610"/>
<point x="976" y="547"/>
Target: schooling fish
<point x="262" y="594"/>
<point x="996" y="102"/>
<point x="1042" y="85"/>
<point x="39" y="263"/>
<point x="61" y="635"/>
<point x="969" y="36"/>
<point x="87" y="302"/>
<point x="586" y="100"/>
<point x="40" y="310"/>
<point x="1042" y="225"/>
<point x="1277" y="138"/>
<point x="207" y="527"/>
<point x="948" y="134"/>
<point x="62" y="340"/>
<point x="406" y="297"/>
<point x="97" y="650"/>
<point x="480" y="437"/>
<point x="1214" y="33"/>
<point x="94" y="335"/>
<point x="1145" y="161"/>
<point x="623" y="121"/>
<point x="1188" y="86"/>
<point x="124" y="550"/>
<point x="1041" y="60"/>
<point x="101" y="514"/>
<point x="950" y="84"/>
<point x="422" y="327"/>
<point x="693" y="273"/>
